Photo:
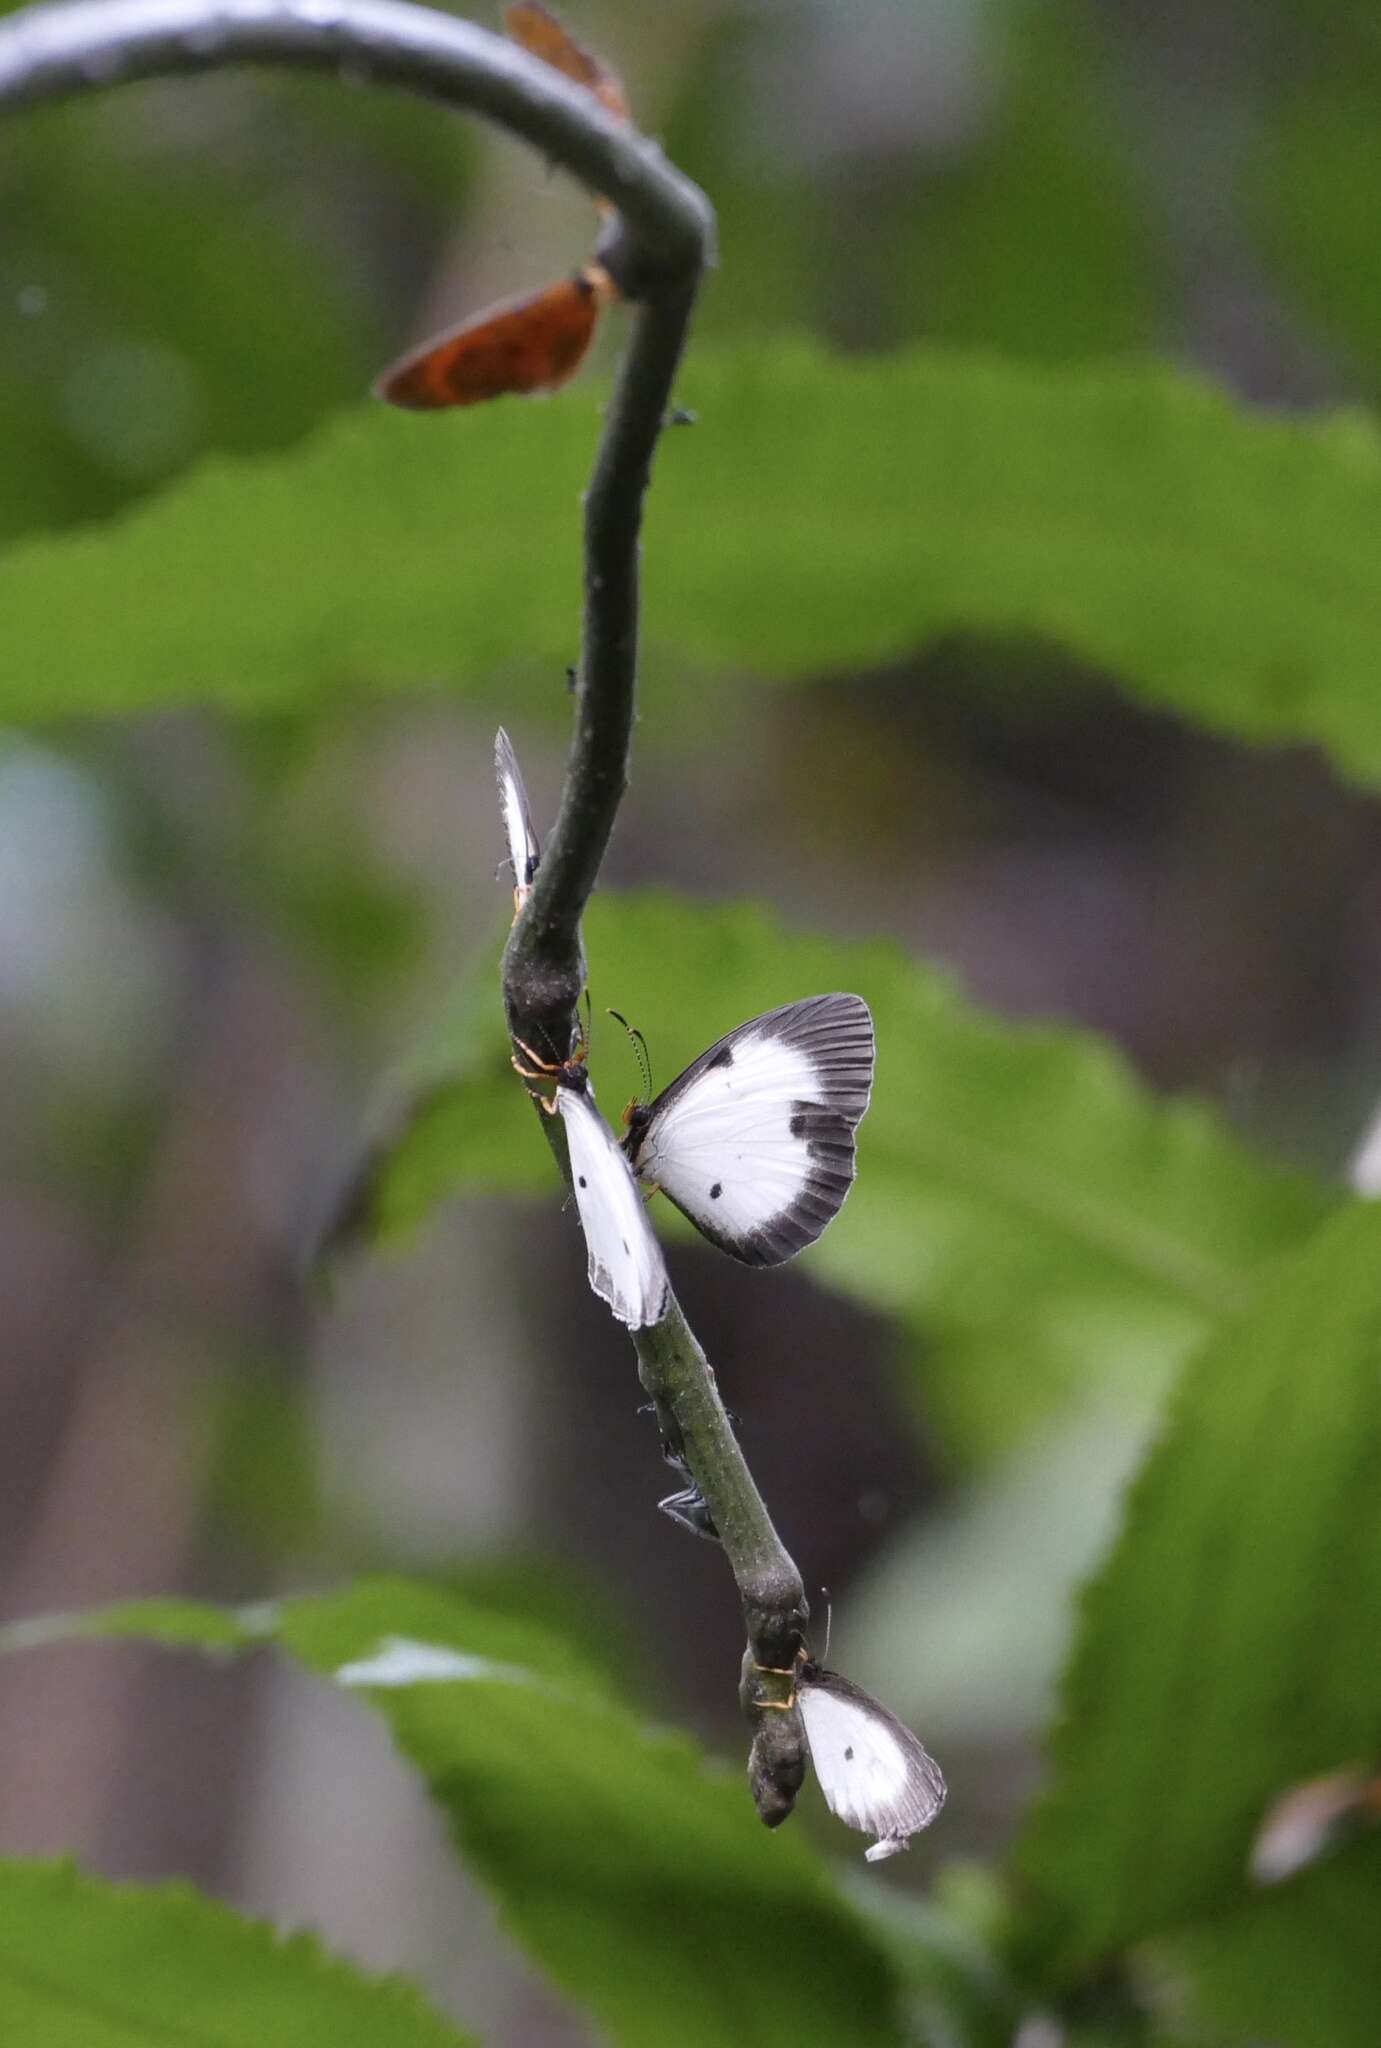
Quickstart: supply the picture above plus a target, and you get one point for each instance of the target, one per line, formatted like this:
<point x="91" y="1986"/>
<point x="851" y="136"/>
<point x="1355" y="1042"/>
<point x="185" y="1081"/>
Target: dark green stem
<point x="678" y="1376"/>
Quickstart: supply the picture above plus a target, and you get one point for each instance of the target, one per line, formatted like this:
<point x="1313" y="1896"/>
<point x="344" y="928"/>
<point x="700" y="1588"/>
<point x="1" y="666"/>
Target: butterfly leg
<point x="775" y="1671"/>
<point x="540" y="1070"/>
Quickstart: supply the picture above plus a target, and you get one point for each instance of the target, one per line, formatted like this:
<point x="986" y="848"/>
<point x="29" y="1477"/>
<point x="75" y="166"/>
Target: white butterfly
<point x="625" y="1261"/>
<point x="874" y="1773"/>
<point x="755" y="1141"/>
<point x="524" y="847"/>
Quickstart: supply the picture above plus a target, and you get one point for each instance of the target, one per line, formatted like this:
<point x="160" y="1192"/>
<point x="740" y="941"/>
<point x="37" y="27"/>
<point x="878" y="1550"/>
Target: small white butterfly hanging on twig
<point x="624" y="1260"/>
<point x="754" y="1142"/>
<point x="875" y="1774"/>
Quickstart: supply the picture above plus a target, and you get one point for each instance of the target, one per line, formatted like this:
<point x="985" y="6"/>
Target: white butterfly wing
<point x="874" y="1773"/>
<point x="755" y="1141"/>
<point x="524" y="847"/>
<point x="625" y="1261"/>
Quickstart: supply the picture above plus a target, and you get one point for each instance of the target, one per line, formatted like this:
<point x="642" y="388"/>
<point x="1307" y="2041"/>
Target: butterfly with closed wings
<point x="519" y="830"/>
<point x="876" y="1776"/>
<point x="623" y="1258"/>
<point x="524" y="847"/>
<point x="754" y="1142"/>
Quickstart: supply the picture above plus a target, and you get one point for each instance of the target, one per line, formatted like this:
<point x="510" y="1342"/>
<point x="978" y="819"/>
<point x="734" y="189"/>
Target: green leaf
<point x="1020" y="1196"/>
<point x="1299" y="1964"/>
<point x="821" y="514"/>
<point x="632" y="1868"/>
<point x="84" y="1964"/>
<point x="1228" y="1649"/>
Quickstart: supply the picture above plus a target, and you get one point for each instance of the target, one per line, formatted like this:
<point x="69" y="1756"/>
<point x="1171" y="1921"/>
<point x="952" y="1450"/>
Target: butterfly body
<point x="754" y="1142"/>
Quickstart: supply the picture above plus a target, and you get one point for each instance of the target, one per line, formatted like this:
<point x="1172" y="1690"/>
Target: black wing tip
<point x="835" y="1031"/>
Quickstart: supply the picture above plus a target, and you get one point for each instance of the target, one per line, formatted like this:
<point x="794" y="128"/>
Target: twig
<point x="49" y="53"/>
<point x="544" y="969"/>
<point x="677" y="1374"/>
<point x="658" y="243"/>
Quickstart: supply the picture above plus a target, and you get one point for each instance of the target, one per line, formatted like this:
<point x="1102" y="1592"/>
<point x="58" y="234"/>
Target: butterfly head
<point x="571" y="1072"/>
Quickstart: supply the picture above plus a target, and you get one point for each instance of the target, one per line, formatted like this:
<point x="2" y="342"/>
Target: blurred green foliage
<point x="1297" y="1963"/>
<point x="1227" y="1650"/>
<point x="261" y="1461"/>
<point x="233" y="318"/>
<point x="820" y="514"/>
<point x="1312" y="178"/>
<point x="84" y="1964"/>
<point x="604" y="1840"/>
<point x="1016" y="226"/>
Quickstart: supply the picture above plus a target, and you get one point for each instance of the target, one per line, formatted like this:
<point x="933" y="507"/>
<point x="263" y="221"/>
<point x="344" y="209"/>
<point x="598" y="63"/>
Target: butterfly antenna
<point x="639" y="1046"/>
<point x="829" y="1617"/>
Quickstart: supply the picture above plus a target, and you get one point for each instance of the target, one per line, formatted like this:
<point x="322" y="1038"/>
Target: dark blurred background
<point x="216" y="939"/>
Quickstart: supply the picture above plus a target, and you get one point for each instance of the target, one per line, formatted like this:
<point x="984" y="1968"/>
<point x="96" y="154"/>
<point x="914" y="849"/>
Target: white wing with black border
<point x="755" y="1140"/>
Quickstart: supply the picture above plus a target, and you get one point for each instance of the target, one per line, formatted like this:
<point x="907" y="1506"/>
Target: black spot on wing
<point x="827" y="1176"/>
<point x="582" y="1180"/>
<point x="716" y="1191"/>
<point x="723" y="1058"/>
